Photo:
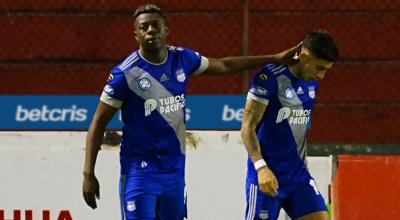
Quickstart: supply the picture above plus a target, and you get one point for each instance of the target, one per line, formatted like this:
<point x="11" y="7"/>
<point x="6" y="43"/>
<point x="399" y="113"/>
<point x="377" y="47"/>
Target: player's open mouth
<point x="152" y="40"/>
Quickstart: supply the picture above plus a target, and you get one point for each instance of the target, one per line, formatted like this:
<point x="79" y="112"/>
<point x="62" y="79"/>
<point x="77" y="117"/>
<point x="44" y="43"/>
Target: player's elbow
<point x="223" y="66"/>
<point x="228" y="65"/>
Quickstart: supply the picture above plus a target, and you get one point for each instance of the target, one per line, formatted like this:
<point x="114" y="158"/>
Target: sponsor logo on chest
<point x="165" y="105"/>
<point x="294" y="116"/>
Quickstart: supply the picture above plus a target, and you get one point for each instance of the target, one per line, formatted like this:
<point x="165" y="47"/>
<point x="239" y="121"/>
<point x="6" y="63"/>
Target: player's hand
<point x="267" y="181"/>
<point x="91" y="190"/>
<point x="289" y="56"/>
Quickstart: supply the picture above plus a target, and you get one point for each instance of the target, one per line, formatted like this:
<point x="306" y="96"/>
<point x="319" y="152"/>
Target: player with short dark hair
<point x="149" y="87"/>
<point x="274" y="127"/>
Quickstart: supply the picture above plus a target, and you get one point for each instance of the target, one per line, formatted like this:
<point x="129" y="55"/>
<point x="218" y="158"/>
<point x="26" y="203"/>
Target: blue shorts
<point x="160" y="197"/>
<point x="297" y="200"/>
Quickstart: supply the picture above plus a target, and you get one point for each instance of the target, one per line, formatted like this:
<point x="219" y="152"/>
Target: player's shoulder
<point x="276" y="69"/>
<point x="181" y="51"/>
<point x="175" y="49"/>
<point x="266" y="72"/>
<point x="128" y="62"/>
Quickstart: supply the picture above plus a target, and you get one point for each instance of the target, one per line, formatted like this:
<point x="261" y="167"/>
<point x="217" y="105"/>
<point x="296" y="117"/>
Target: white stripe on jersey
<point x="273" y="69"/>
<point x="130" y="57"/>
<point x="110" y="100"/>
<point x="280" y="70"/>
<point x="252" y="202"/>
<point x="128" y="60"/>
<point x="128" y="64"/>
<point x="203" y="66"/>
<point x="251" y="96"/>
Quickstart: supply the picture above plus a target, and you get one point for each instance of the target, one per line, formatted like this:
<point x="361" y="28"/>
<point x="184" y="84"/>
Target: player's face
<point x="150" y="31"/>
<point x="314" y="68"/>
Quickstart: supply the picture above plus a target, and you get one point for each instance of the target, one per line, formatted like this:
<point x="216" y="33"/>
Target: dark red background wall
<point x="69" y="47"/>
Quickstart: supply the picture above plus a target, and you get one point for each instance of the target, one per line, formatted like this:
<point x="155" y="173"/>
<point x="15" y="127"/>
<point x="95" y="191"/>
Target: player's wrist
<point x="260" y="164"/>
<point x="88" y="174"/>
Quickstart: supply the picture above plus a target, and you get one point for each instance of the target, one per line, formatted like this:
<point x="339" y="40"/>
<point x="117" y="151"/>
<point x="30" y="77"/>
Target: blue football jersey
<point x="151" y="97"/>
<point x="282" y="130"/>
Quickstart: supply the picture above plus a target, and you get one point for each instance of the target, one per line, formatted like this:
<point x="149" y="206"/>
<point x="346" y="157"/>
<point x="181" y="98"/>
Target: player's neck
<point x="154" y="56"/>
<point x="295" y="70"/>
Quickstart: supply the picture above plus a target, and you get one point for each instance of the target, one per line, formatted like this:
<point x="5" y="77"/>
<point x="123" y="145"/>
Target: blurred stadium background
<point x="67" y="47"/>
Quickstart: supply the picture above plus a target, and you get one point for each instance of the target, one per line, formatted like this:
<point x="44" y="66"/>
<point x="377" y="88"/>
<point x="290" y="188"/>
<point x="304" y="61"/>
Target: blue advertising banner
<point x="76" y="112"/>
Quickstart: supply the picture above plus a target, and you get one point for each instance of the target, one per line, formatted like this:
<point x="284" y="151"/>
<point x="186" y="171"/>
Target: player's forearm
<point x="93" y="143"/>
<point x="251" y="143"/>
<point x="238" y="64"/>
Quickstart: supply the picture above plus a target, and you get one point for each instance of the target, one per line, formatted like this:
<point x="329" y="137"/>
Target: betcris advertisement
<point x="76" y="112"/>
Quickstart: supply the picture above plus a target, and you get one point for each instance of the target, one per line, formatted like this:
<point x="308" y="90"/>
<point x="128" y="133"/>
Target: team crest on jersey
<point x="263" y="214"/>
<point x="143" y="164"/>
<point x="289" y="93"/>
<point x="144" y="83"/>
<point x="180" y="75"/>
<point x="131" y="206"/>
<point x="311" y="92"/>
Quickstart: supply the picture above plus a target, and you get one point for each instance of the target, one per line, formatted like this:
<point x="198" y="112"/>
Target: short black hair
<point x="147" y="8"/>
<point x="322" y="45"/>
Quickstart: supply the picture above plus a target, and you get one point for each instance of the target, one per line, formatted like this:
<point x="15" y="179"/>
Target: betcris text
<point x="231" y="114"/>
<point x="46" y="114"/>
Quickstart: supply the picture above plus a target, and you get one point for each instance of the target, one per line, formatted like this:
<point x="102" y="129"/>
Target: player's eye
<point x="158" y="26"/>
<point x="144" y="27"/>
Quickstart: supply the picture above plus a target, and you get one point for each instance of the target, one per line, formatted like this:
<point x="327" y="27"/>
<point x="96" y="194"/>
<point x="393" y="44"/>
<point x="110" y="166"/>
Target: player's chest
<point x="168" y="79"/>
<point x="297" y="95"/>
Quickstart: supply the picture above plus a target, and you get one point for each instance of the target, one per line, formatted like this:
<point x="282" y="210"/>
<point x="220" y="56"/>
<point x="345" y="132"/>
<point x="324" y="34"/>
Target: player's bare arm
<point x="252" y="116"/>
<point x="90" y="186"/>
<point x="241" y="63"/>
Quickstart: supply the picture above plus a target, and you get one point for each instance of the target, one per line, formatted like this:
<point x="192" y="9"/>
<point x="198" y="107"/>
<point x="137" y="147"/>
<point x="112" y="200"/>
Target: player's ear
<point x="135" y="34"/>
<point x="303" y="56"/>
<point x="166" y="29"/>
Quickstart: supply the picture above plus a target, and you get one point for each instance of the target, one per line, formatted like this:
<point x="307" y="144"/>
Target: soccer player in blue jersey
<point x="149" y="88"/>
<point x="274" y="127"/>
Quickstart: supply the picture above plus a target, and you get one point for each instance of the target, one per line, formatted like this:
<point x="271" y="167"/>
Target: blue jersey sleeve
<point x="116" y="89"/>
<point x="263" y="86"/>
<point x="191" y="60"/>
